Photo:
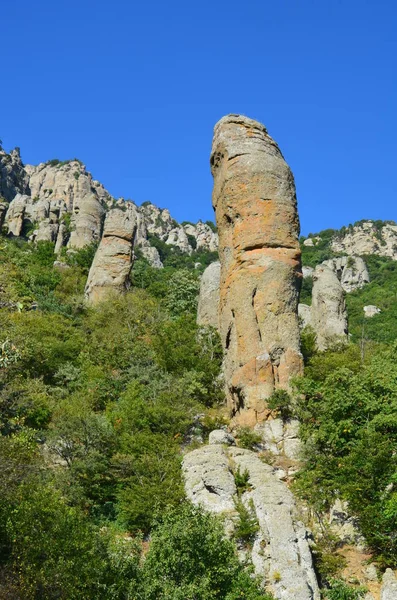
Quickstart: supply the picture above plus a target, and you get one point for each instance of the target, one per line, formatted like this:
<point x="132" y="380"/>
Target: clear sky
<point x="134" y="89"/>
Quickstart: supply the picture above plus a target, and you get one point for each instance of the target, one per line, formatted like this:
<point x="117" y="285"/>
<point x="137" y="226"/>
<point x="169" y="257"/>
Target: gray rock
<point x="368" y="238"/>
<point x="304" y="314"/>
<point x="328" y="311"/>
<point x="218" y="436"/>
<point x="208" y="480"/>
<point x="371" y="310"/>
<point x="112" y="263"/>
<point x="307" y="272"/>
<point x="86" y="222"/>
<point x="281" y="438"/>
<point x="208" y="303"/>
<point x="371" y="573"/>
<point x="389" y="586"/>
<point x="351" y="271"/>
<point x="281" y="553"/>
<point x="13" y="177"/>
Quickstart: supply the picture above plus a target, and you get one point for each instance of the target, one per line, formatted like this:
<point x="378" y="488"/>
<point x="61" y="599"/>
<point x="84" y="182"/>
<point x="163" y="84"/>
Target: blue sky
<point x="134" y="89"/>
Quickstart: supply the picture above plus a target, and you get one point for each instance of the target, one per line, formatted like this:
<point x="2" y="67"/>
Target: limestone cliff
<point x="368" y="237"/>
<point x="61" y="202"/>
<point x="256" y="213"/>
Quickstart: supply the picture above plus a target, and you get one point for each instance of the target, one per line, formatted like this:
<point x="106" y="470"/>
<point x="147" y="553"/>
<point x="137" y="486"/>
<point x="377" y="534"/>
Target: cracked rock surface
<point x="256" y="213"/>
<point x="281" y="552"/>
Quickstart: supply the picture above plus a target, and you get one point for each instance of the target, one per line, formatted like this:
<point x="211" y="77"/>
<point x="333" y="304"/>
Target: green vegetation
<point x="347" y="405"/>
<point x="382" y="292"/>
<point x="95" y="405"/>
<point x="313" y="255"/>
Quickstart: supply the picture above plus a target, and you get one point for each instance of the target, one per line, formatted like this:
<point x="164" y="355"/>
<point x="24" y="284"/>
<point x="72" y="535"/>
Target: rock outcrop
<point x="281" y="553"/>
<point x="389" y="586"/>
<point x="351" y="271"/>
<point x="60" y="201"/>
<point x="13" y="177"/>
<point x="256" y="213"/>
<point x="208" y="303"/>
<point x="328" y="310"/>
<point x="113" y="260"/>
<point x="86" y="221"/>
<point x="368" y="237"/>
<point x="305" y="315"/>
<point x="68" y="181"/>
<point x="371" y="310"/>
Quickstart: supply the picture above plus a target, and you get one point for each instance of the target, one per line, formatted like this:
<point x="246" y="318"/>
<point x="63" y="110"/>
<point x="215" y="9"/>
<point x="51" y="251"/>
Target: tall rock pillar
<point x="110" y="269"/>
<point x="256" y="213"/>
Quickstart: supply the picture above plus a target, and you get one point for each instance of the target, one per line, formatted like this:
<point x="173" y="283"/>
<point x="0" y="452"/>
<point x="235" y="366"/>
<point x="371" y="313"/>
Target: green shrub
<point x="190" y="557"/>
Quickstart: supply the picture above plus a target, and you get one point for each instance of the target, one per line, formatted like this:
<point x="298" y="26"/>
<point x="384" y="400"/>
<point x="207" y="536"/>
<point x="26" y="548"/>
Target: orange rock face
<point x="256" y="213"/>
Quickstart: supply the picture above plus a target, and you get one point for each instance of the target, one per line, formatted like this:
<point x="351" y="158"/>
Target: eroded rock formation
<point x="113" y="260"/>
<point x="281" y="553"/>
<point x="368" y="237"/>
<point x="328" y="310"/>
<point x="208" y="303"/>
<point x="255" y="203"/>
<point x="13" y="177"/>
<point x="351" y="271"/>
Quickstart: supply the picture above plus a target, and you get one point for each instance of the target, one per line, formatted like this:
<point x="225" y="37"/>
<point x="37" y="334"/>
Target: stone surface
<point x="219" y="436"/>
<point x="312" y="241"/>
<point x="208" y="303"/>
<point x="307" y="272"/>
<point x="13" y="177"/>
<point x="255" y="203"/>
<point x="206" y="238"/>
<point x="389" y="586"/>
<point x="86" y="222"/>
<point x="343" y="525"/>
<point x="281" y="553"/>
<point x="371" y="310"/>
<point x="68" y="181"/>
<point x="351" y="271"/>
<point x="304" y="314"/>
<point x="113" y="260"/>
<point x="368" y="238"/>
<point x="328" y="311"/>
<point x="281" y="437"/>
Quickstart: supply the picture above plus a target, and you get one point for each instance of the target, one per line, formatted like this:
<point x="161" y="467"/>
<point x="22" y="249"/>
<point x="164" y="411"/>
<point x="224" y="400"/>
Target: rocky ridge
<point x="61" y="202"/>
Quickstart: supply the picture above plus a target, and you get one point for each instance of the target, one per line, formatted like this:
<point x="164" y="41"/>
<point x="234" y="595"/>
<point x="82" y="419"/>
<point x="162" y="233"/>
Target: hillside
<point x="133" y="436"/>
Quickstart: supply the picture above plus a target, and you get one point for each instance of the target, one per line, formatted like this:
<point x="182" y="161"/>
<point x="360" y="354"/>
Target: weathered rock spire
<point x="256" y="212"/>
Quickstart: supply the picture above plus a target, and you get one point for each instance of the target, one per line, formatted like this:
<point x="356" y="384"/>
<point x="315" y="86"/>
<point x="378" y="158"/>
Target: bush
<point x="190" y="557"/>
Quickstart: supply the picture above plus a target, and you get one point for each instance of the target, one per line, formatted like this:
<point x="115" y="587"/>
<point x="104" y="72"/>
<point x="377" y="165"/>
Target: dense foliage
<point x="347" y="404"/>
<point x="95" y="408"/>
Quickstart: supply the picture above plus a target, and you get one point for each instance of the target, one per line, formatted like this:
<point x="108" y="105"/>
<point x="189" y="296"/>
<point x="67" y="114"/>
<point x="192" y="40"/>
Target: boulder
<point x="256" y="213"/>
<point x="219" y="436"/>
<point x="371" y="310"/>
<point x="112" y="263"/>
<point x="208" y="303"/>
<point x="328" y="311"/>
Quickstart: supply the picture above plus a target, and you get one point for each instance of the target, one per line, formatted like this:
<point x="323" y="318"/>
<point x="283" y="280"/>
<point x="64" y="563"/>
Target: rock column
<point x="113" y="260"/>
<point x="256" y="212"/>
